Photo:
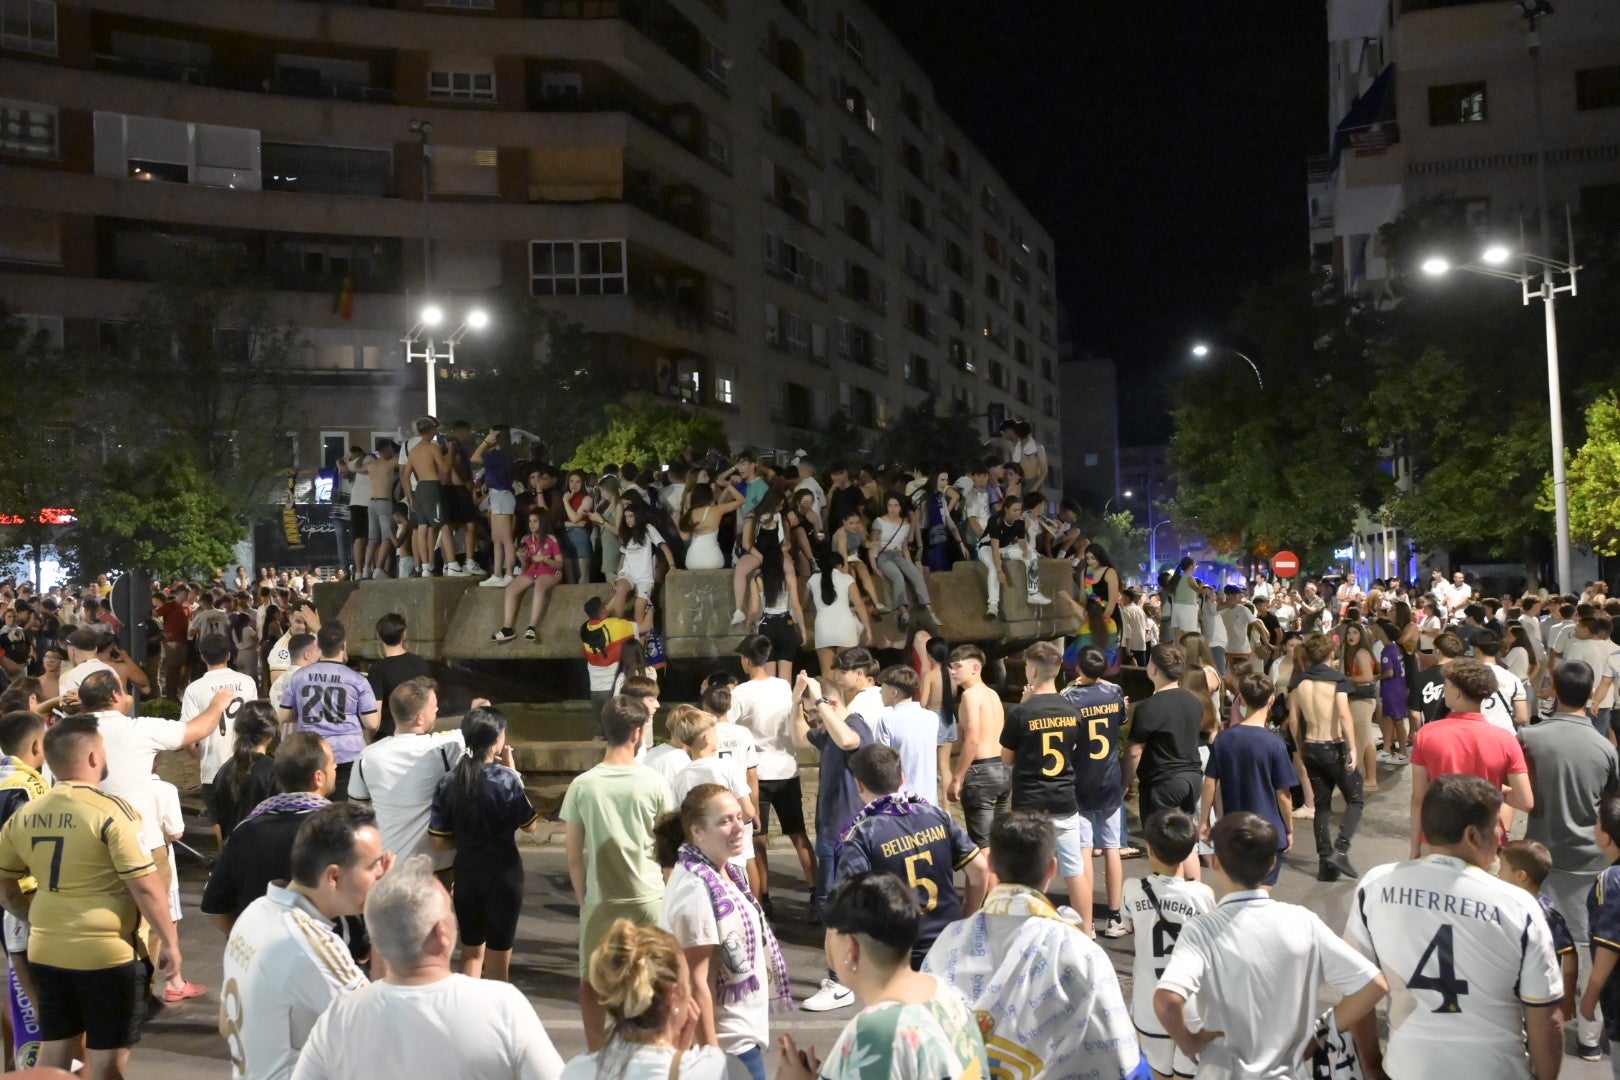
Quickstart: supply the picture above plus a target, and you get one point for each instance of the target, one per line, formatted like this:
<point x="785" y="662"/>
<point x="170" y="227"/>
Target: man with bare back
<point x="382" y="470"/>
<point x="980" y="780"/>
<point x="1323" y="730"/>
<point x="428" y="463"/>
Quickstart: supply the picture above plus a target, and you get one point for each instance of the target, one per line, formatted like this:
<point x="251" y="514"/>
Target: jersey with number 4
<point x="1157" y="926"/>
<point x="1465" y="954"/>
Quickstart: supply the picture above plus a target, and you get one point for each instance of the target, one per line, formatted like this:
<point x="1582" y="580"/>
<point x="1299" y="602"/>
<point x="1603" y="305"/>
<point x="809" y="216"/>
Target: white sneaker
<point x="1385" y="759"/>
<point x="454" y="570"/>
<point x="427" y="571"/>
<point x="1039" y="600"/>
<point x="504" y="580"/>
<point x="492" y="583"/>
<point x="832" y="995"/>
<point x="471" y="568"/>
<point x="1114" y="927"/>
<point x="1303" y="811"/>
<point x="737" y="619"/>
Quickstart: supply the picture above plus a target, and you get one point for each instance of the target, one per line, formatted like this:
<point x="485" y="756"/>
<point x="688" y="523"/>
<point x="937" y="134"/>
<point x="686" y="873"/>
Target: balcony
<point x="599" y="90"/>
<point x="680" y="205"/>
<point x="853" y="162"/>
<point x="296" y="82"/>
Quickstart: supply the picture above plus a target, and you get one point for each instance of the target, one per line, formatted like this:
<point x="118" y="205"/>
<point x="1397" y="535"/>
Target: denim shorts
<point x="502" y="502"/>
<point x="1103" y="830"/>
<point x="1071" y="860"/>
<point x="986" y="791"/>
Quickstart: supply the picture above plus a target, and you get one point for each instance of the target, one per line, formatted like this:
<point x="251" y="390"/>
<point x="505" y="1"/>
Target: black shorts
<point x="340" y="786"/>
<point x="459" y="507"/>
<point x="1177" y="791"/>
<point x="783" y="635"/>
<point x="488" y="899"/>
<point x="788" y="799"/>
<point x="359" y="521"/>
<point x="427" y="504"/>
<point x="107" y="1006"/>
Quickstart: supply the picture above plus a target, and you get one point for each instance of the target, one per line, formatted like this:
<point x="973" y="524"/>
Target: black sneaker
<point x="1326" y="871"/>
<point x="1589" y="1053"/>
<point x="1341" y="863"/>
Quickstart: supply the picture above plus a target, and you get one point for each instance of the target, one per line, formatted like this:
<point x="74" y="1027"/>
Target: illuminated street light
<point x="432" y="315"/>
<point x="1435" y="266"/>
<point x="421" y="343"/>
<point x="1202" y="350"/>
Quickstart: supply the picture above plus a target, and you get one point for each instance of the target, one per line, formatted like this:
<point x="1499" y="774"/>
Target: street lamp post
<point x="422" y="343"/>
<point x="1153" y="543"/>
<point x="1201" y="350"/>
<point x="1546" y="290"/>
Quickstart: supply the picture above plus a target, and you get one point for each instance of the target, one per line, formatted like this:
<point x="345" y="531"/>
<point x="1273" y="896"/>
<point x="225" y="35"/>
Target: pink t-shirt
<point x="1468" y="743"/>
<point x="537" y="549"/>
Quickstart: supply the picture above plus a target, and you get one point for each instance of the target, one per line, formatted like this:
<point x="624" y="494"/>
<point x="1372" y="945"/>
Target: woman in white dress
<point x="700" y="526"/>
<point x="640" y="975"/>
<point x="840" y="616"/>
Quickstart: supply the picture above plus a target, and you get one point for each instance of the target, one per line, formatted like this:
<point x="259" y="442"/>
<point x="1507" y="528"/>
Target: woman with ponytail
<point x="476" y="810"/>
<point x="249" y="777"/>
<point x="640" y="976"/>
<point x="738" y="977"/>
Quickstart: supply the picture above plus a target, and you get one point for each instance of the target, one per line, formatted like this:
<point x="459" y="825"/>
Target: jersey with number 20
<point x="1464" y="953"/>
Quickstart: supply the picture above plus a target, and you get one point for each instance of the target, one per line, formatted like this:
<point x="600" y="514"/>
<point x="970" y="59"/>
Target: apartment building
<point x="1436" y="98"/>
<point x="757" y="206"/>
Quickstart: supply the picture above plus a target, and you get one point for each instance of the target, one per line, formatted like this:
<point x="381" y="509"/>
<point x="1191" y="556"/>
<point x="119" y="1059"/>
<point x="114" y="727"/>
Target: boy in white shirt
<point x="695" y="729"/>
<point x="732" y="742"/>
<point x="1155" y="909"/>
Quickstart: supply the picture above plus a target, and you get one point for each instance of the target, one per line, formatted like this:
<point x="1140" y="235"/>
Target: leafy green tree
<point x="537" y="372"/>
<point x="920" y="436"/>
<point x="646" y="429"/>
<point x="1125" y="541"/>
<point x="174" y="520"/>
<point x="37" y="443"/>
<point x="840" y="442"/>
<point x="201" y="375"/>
<point x="1287" y="466"/>
<point x="1594" y="480"/>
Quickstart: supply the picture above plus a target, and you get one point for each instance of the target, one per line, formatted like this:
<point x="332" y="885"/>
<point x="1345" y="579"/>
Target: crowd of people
<point x="368" y="881"/>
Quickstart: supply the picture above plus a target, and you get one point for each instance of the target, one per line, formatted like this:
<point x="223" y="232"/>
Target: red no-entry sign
<point x="1285" y="564"/>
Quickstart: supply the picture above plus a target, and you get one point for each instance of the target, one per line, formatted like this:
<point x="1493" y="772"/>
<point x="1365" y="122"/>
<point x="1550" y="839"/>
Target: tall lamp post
<point x="422" y="342"/>
<point x="1202" y="350"/>
<point x="1535" y="284"/>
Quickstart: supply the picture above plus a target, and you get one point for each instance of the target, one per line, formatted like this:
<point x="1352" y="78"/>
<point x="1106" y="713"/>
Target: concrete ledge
<point x="428" y="605"/>
<point x="478" y="615"/>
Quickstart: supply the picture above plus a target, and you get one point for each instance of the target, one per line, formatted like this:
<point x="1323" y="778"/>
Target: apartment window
<point x="464" y="170"/>
<point x="795" y="264"/>
<point x="31" y="238"/>
<point x="148" y="148"/>
<point x="911" y="106"/>
<point x="715" y="63"/>
<point x="1023" y="392"/>
<point x="461" y="85"/>
<point x="1021" y="351"/>
<point x="998" y="375"/>
<point x="327" y="170"/>
<point x="28" y="25"/>
<point x="562" y="86"/>
<point x="1459" y="103"/>
<point x="725" y="383"/>
<point x="717" y="145"/>
<point x="722" y="304"/>
<point x="796" y="334"/>
<point x="1020" y="313"/>
<point x="953" y="163"/>
<point x="1048" y="403"/>
<point x="721" y="226"/>
<point x="855" y="104"/>
<point x="992" y="287"/>
<point x="863" y="406"/>
<point x="1046" y="368"/>
<point x="853" y="39"/>
<point x="576" y="268"/>
<point x="1597" y="88"/>
<point x="27" y="128"/>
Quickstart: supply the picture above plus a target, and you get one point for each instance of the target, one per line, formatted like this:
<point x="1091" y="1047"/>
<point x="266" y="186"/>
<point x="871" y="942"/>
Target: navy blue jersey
<point x="1043" y="734"/>
<point x="1563" y="942"/>
<point x="503" y="806"/>
<point x="1100" y="708"/>
<point x="923" y="847"/>
<point x="1603" y="922"/>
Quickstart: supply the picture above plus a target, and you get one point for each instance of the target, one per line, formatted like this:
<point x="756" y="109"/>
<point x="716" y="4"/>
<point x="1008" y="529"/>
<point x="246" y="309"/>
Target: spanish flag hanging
<point x="289" y="515"/>
<point x="343" y="302"/>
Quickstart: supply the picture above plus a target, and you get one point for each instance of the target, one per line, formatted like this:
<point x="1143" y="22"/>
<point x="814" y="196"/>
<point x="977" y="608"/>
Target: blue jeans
<point x="1219" y="652"/>
<point x="753" y="1060"/>
<point x="1601" y="721"/>
<point x="826" y="863"/>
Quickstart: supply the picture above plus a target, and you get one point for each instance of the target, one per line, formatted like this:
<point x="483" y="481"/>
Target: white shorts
<point x="16" y="934"/>
<point x="1100" y="830"/>
<point x="643" y="586"/>
<point x="1162" y="1055"/>
<point x="1071" y="860"/>
<point x="502" y="502"/>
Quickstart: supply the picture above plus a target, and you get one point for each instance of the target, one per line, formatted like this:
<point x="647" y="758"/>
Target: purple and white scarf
<point x="738" y="939"/>
<point x="897" y="804"/>
<point x="293" y="802"/>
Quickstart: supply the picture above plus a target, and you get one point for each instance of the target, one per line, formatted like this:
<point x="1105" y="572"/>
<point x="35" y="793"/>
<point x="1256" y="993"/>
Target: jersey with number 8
<point x="1465" y="954"/>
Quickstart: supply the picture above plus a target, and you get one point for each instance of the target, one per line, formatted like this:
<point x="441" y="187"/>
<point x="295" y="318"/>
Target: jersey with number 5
<point x="1156" y="927"/>
<point x="1465" y="954"/>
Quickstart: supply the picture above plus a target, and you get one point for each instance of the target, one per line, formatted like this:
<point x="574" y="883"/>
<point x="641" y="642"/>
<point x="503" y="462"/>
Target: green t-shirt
<point x="617" y="805"/>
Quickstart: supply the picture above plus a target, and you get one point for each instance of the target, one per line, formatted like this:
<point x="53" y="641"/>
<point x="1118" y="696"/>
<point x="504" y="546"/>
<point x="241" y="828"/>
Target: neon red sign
<point x="51" y="515"/>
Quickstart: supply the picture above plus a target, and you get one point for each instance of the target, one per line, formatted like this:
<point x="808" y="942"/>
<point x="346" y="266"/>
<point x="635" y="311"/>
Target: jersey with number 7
<point x="1465" y="954"/>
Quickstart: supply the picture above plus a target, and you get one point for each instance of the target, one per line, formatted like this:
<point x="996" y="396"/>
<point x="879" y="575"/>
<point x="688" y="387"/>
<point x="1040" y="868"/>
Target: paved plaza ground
<point x="182" y="1044"/>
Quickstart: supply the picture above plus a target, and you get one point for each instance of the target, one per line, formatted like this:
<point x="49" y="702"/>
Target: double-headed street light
<point x="1536" y="279"/>
<point x="422" y="342"/>
<point x="1202" y="350"/>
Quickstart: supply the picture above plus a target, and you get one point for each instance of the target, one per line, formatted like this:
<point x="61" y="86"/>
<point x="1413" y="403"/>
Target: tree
<point x="1125" y="541"/>
<point x="37" y="443"/>
<point x="200" y="376"/>
<point x="840" y="441"/>
<point x="1287" y="466"/>
<point x="647" y="429"/>
<point x="538" y="373"/>
<point x="174" y="521"/>
<point x="1594" y="480"/>
<point x="919" y="437"/>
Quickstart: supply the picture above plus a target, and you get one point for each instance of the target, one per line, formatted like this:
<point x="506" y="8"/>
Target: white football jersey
<point x="1465" y="954"/>
<point x="734" y="742"/>
<point x="1156" y="928"/>
<point x="1500" y="707"/>
<point x="283" y="966"/>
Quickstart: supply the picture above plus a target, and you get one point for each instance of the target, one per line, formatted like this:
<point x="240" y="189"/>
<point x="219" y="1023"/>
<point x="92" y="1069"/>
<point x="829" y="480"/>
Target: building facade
<point x="1437" y="99"/>
<point x="758" y="207"/>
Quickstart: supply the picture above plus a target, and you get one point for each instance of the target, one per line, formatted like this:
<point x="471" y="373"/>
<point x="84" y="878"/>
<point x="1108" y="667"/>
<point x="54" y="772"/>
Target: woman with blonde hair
<point x="641" y="978"/>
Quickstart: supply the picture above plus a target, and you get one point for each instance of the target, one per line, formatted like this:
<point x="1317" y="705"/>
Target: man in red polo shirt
<point x="176" y="644"/>
<point x="1465" y="742"/>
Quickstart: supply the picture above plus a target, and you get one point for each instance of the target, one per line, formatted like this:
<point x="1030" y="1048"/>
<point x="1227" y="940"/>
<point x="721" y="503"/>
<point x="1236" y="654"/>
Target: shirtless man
<point x="383" y="471"/>
<point x="429" y="464"/>
<point x="980" y="780"/>
<point x="1325" y="733"/>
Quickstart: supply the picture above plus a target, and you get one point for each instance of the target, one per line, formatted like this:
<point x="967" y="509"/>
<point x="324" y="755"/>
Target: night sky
<point x="1162" y="143"/>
